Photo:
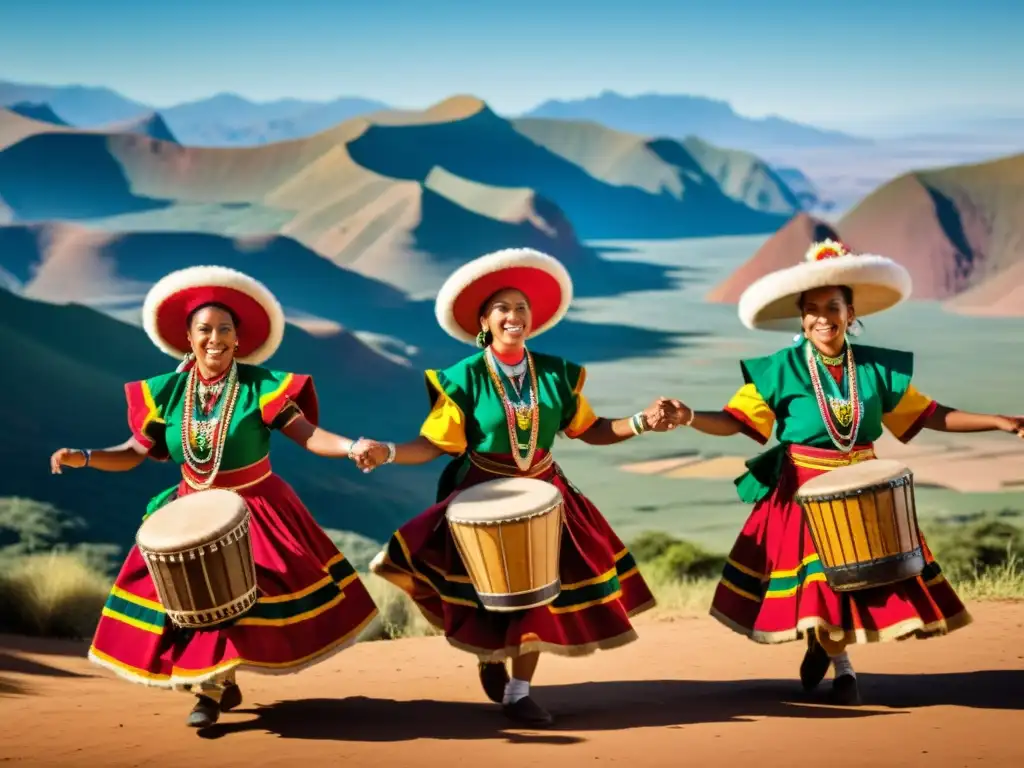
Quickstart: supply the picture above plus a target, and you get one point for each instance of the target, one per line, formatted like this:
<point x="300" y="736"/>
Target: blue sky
<point x="829" y="62"/>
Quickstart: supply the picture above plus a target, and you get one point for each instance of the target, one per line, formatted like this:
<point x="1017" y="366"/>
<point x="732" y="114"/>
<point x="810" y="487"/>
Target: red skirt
<point x="601" y="585"/>
<point x="311" y="604"/>
<point x="773" y="588"/>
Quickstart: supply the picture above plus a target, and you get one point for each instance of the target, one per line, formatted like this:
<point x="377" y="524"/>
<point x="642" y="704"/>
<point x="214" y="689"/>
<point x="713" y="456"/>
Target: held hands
<point x="369" y="454"/>
<point x="1012" y="424"/>
<point x="67" y="457"/>
<point x="665" y="414"/>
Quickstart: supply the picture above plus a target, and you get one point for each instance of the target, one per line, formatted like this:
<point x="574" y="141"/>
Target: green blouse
<point x="467" y="413"/>
<point x="778" y="389"/>
<point x="267" y="400"/>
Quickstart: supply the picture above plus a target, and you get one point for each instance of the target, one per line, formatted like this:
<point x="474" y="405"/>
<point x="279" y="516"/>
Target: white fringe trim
<point x="487" y="264"/>
<point x="224" y="277"/>
<point x="878" y="283"/>
<point x="377" y="561"/>
<point x="176" y="681"/>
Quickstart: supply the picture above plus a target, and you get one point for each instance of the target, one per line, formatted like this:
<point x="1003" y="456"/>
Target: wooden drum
<point x="863" y="520"/>
<point x="509" y="533"/>
<point x="199" y="553"/>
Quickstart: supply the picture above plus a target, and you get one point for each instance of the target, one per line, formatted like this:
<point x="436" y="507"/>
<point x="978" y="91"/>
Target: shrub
<point x="54" y="595"/>
<point x="650" y="545"/>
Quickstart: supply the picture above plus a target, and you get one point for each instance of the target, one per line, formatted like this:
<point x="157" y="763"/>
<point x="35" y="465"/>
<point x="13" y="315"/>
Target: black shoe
<point x="815" y="665"/>
<point x="205" y="713"/>
<point x="527" y="712"/>
<point x="230" y="697"/>
<point x="845" y="691"/>
<point x="494" y="678"/>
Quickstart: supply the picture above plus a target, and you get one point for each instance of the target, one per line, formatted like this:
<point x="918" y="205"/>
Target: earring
<point x="856" y="328"/>
<point x="481" y="338"/>
<point x="184" y="362"/>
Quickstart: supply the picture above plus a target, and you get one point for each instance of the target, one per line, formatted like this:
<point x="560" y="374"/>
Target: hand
<point x="1012" y="424"/>
<point x="665" y="414"/>
<point x="66" y="457"/>
<point x="368" y="454"/>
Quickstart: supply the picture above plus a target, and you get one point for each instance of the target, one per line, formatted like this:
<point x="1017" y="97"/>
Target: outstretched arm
<point x="944" y="419"/>
<point x="609" y="431"/>
<point x="660" y="416"/>
<point x="747" y="412"/>
<point x="370" y="454"/>
<point x="317" y="439"/>
<point x="717" y="423"/>
<point x="118" y="458"/>
<point x="418" y="451"/>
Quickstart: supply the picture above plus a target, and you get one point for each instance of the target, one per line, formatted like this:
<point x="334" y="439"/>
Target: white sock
<point x="515" y="690"/>
<point x="842" y="666"/>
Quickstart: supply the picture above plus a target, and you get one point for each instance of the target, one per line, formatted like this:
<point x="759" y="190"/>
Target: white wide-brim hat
<point x="543" y="279"/>
<point x="878" y="283"/>
<point x="174" y="297"/>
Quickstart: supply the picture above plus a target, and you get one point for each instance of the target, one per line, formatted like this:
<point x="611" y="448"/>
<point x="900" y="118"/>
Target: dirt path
<point x="689" y="693"/>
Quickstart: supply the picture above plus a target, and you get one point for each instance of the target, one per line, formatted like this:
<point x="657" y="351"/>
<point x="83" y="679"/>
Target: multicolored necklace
<point x="516" y="374"/>
<point x="204" y="432"/>
<point x="209" y="392"/>
<point x="842" y="416"/>
<point x="521" y="415"/>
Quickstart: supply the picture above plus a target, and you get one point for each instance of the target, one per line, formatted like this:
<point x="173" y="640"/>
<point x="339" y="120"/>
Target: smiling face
<point x="826" y="314"/>
<point x="507" y="316"/>
<point x="213" y="335"/>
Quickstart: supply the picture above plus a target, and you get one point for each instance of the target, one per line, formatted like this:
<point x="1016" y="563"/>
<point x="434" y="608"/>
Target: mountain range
<point x="354" y="225"/>
<point x="956" y="229"/>
<point x="384" y="195"/>
<point x="230" y="120"/>
<point x="353" y="229"/>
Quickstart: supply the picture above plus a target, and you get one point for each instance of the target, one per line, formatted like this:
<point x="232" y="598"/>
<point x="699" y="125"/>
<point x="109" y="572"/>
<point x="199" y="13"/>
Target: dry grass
<point x="52" y="595"/>
<point x="398" y="617"/>
<point x="997" y="582"/>
<point x="58" y="595"/>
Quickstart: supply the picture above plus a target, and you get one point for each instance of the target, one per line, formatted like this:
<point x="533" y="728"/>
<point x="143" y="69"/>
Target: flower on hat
<point x="826" y="249"/>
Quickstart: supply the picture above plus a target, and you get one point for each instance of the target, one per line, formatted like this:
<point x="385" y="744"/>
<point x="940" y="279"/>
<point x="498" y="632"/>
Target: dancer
<point x="214" y="416"/>
<point x="498" y="413"/>
<point x="773" y="589"/>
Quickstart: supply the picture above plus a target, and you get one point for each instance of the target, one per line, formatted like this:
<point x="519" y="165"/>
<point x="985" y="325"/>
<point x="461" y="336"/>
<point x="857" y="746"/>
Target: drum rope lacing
<point x="209" y="431"/>
<point x="521" y="416"/>
<point x="835" y="409"/>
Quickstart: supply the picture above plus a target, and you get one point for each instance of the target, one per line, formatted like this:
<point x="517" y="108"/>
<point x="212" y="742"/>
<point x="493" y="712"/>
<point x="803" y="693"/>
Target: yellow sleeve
<point x="909" y="415"/>
<point x="752" y="412"/>
<point x="583" y="417"/>
<point x="445" y="425"/>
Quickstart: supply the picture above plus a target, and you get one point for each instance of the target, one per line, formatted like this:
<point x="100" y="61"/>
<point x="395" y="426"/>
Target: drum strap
<point x="511" y="470"/>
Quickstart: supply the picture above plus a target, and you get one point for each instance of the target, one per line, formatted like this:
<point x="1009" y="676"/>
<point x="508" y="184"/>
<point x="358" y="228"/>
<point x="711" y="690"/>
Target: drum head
<point x="854" y="476"/>
<point x="505" y="499"/>
<point x="191" y="520"/>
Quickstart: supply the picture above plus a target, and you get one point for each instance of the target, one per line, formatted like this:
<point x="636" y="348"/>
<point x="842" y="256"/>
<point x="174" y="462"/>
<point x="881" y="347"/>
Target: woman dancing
<point x="498" y="413"/>
<point x="214" y="416"/>
<point x="828" y="401"/>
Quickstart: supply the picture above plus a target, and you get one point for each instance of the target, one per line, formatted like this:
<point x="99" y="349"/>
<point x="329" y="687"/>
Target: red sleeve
<point x="295" y="388"/>
<point x="145" y="419"/>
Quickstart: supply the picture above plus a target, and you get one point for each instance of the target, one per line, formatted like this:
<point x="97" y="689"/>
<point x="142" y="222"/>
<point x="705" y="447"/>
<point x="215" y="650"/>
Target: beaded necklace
<point x="516" y="374"/>
<point x="842" y="416"/>
<point x="521" y="415"/>
<point x="204" y="432"/>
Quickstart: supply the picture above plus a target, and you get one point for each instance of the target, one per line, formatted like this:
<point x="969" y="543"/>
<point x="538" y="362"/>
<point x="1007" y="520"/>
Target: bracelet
<point x="391" y="453"/>
<point x="689" y="421"/>
<point x="637" y="423"/>
<point x="88" y="456"/>
<point x="352" y="445"/>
